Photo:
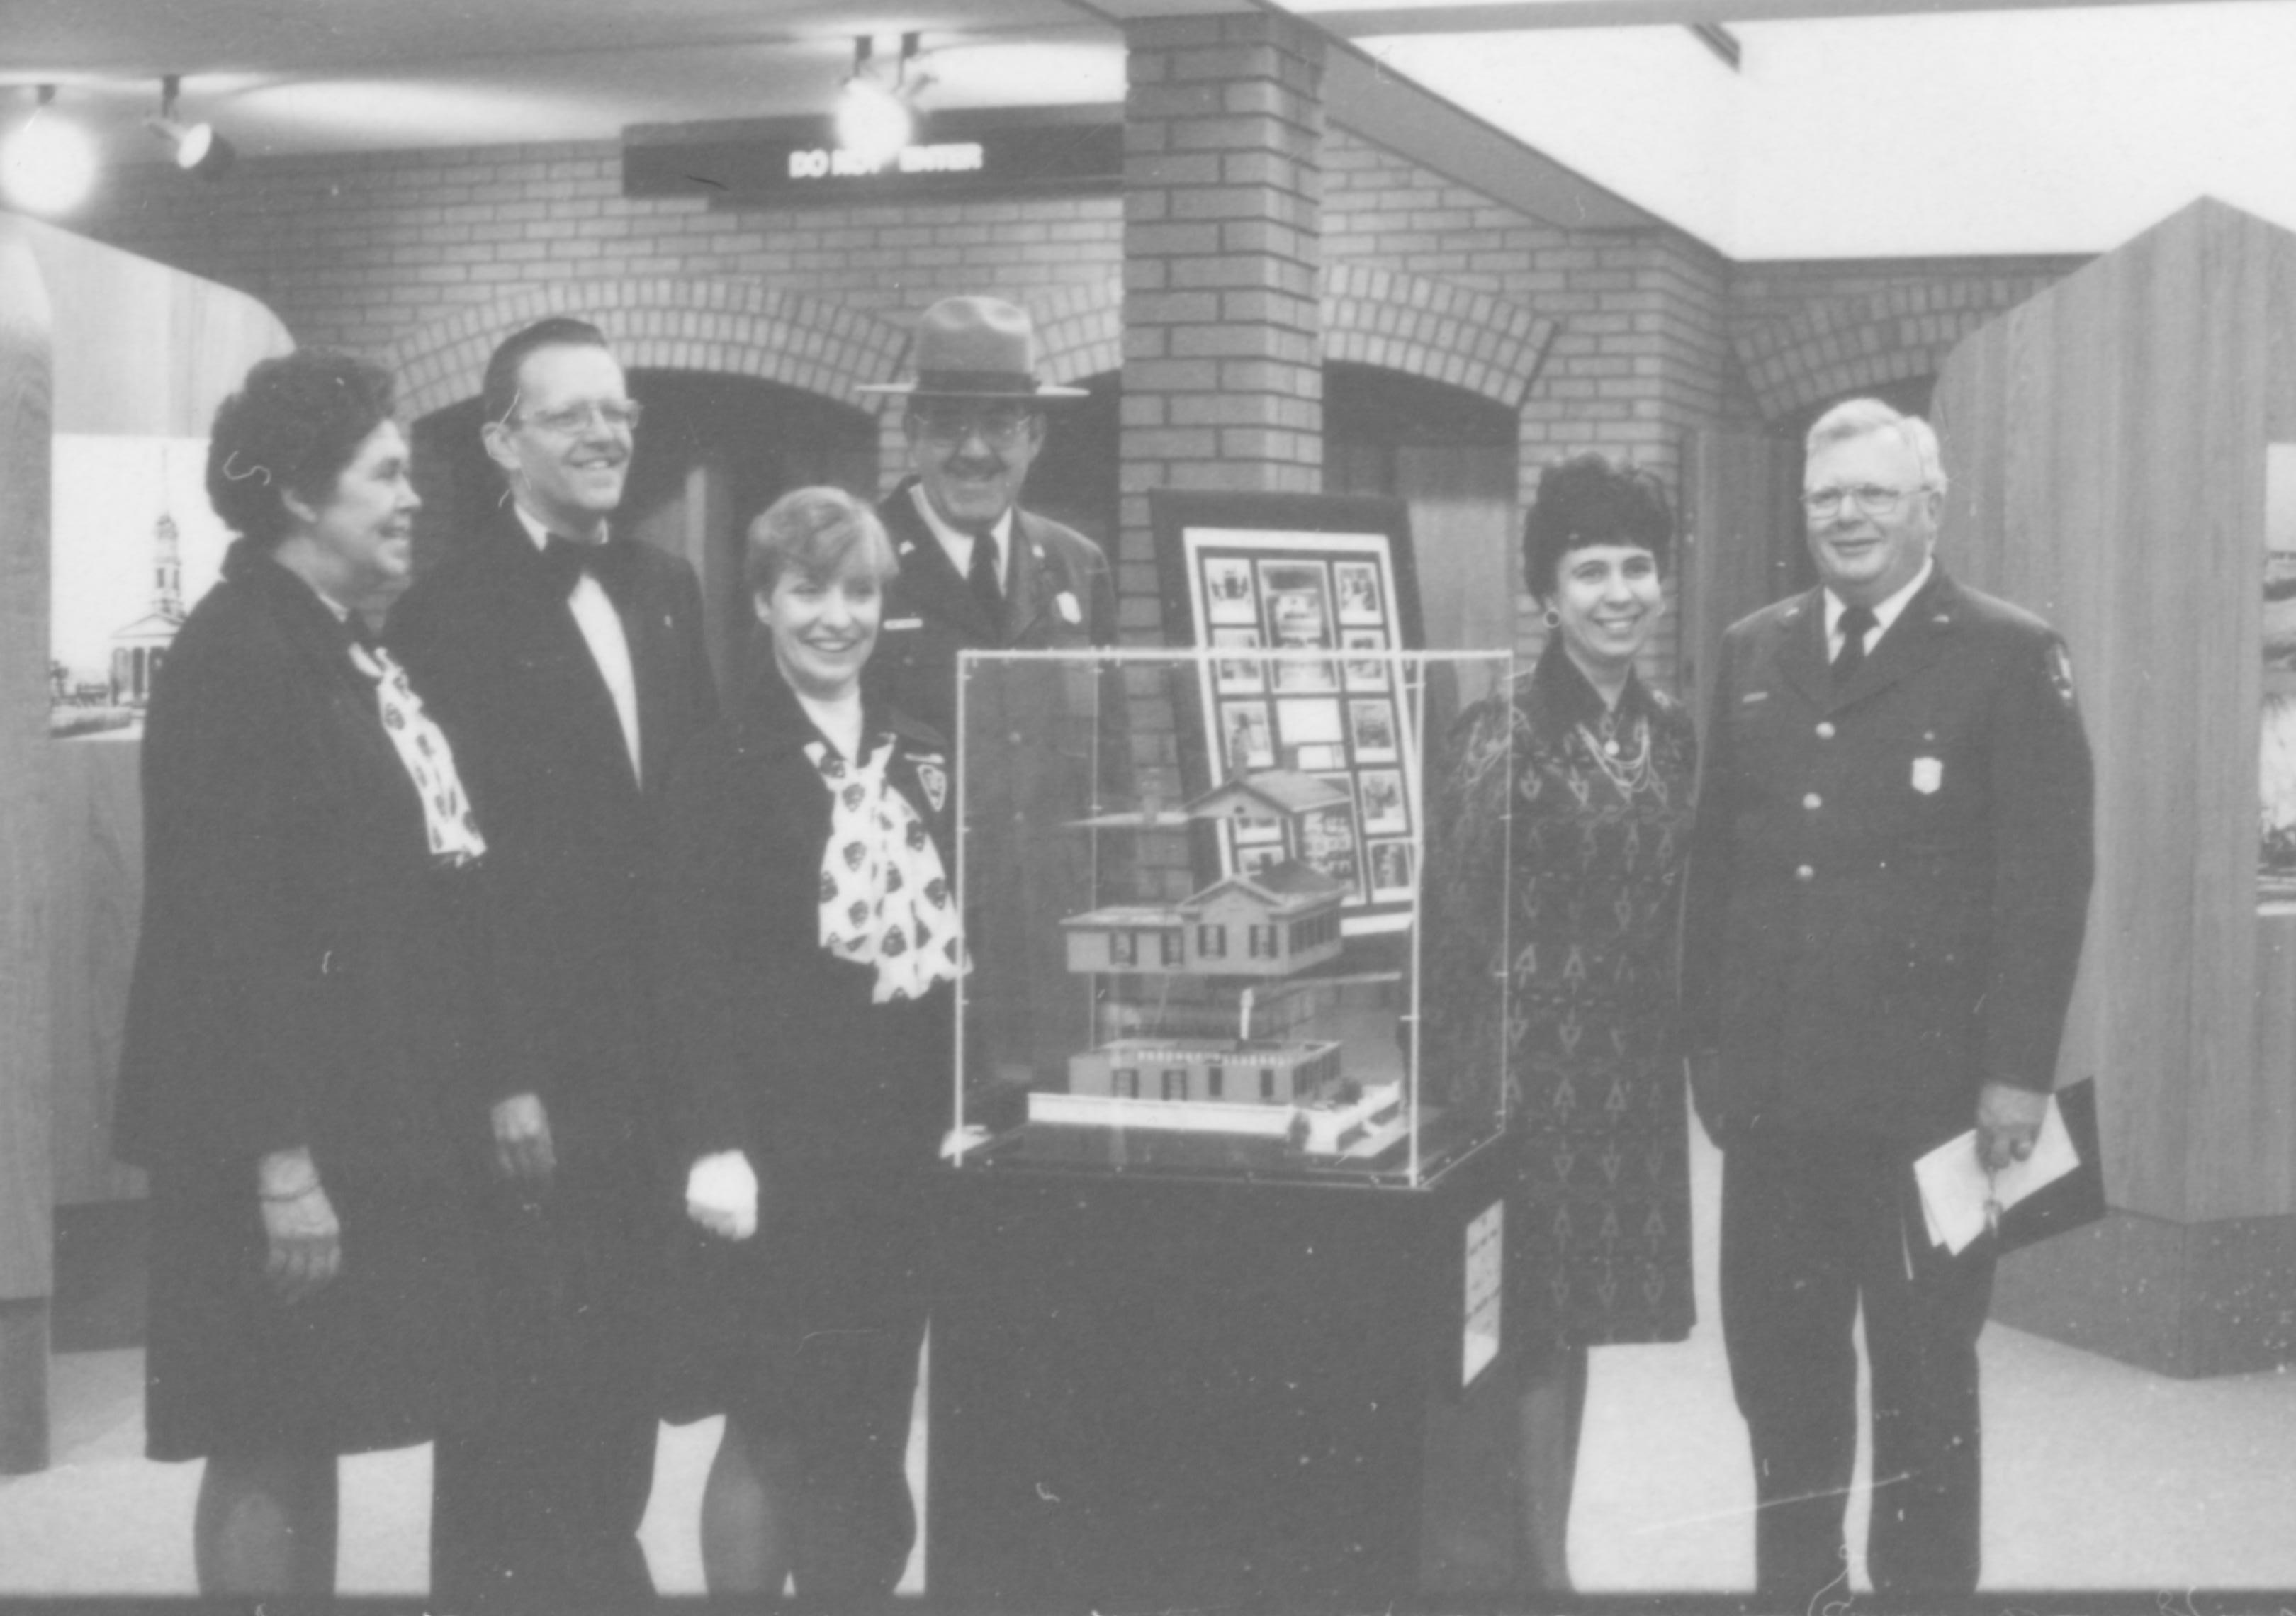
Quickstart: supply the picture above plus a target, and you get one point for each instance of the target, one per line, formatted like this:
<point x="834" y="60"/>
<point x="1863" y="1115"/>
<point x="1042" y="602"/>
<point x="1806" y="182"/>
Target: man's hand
<point x="721" y="1195"/>
<point x="2008" y="1123"/>
<point x="303" y="1244"/>
<point x="522" y="1148"/>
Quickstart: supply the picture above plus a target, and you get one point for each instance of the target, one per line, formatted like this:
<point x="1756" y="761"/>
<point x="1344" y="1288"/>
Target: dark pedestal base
<point x="2186" y="1299"/>
<point x="1159" y="1392"/>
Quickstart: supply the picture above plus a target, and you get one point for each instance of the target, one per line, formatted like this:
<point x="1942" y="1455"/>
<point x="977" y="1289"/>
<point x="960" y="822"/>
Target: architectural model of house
<point x="1272" y="924"/>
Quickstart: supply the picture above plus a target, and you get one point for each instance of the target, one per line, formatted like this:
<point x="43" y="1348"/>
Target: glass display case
<point x="1216" y="921"/>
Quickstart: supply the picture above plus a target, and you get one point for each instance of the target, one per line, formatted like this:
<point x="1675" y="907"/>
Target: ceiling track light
<point x="199" y="150"/>
<point x="874" y="119"/>
<point x="47" y="165"/>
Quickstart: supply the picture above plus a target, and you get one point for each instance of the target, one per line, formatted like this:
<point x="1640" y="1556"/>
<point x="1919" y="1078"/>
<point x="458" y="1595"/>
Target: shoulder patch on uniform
<point x="935" y="783"/>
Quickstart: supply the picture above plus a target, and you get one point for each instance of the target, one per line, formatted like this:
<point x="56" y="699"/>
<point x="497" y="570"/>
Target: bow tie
<point x="613" y="565"/>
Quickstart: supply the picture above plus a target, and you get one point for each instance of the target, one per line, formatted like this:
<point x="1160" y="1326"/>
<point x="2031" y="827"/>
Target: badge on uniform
<point x="1070" y="613"/>
<point x="1929" y="774"/>
<point x="930" y="777"/>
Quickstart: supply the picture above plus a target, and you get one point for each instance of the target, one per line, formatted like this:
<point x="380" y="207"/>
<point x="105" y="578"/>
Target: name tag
<point x="1753" y="696"/>
<point x="1929" y="774"/>
<point x="894" y="624"/>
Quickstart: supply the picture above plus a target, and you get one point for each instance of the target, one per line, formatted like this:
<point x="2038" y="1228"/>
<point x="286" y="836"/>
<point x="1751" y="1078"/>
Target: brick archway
<point x="728" y="327"/>
<point x="1424" y="328"/>
<point x="1849" y="344"/>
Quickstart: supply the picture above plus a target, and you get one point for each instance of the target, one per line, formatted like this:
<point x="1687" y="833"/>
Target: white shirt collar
<point x="957" y="543"/>
<point x="538" y="533"/>
<point x="1884" y="614"/>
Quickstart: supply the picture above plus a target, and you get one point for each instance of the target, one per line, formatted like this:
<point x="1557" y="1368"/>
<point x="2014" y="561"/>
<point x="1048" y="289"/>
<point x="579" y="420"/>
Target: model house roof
<point x="1268" y="793"/>
<point x="1286" y="888"/>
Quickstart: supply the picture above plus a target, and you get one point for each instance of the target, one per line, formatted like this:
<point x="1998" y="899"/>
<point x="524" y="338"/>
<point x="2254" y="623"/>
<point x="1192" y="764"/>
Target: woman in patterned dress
<point x="1583" y="775"/>
<point x="809" y="942"/>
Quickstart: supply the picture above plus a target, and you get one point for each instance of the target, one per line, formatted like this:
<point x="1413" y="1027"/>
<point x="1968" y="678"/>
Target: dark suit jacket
<point x="1059" y="593"/>
<point x="303" y="977"/>
<point x="779" y="1050"/>
<point x="1888" y="885"/>
<point x="494" y="646"/>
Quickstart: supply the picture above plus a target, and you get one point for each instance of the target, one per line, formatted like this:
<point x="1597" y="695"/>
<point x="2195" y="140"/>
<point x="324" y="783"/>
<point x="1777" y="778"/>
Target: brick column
<point x="1223" y="379"/>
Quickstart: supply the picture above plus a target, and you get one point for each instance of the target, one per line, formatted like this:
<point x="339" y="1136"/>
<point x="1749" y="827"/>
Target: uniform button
<point x="1825" y="730"/>
<point x="1813" y="800"/>
<point x="1804" y="873"/>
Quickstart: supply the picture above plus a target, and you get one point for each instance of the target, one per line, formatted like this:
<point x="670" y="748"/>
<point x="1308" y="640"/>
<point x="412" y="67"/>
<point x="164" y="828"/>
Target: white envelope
<point x="1955" y="1186"/>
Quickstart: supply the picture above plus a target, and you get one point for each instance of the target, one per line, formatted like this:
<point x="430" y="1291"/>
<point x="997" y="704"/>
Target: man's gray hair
<point x="1861" y="417"/>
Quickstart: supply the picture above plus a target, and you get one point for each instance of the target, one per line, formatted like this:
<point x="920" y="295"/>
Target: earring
<point x="1553" y="617"/>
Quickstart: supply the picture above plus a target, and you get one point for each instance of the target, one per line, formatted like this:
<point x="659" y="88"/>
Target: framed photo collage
<point x="1311" y="613"/>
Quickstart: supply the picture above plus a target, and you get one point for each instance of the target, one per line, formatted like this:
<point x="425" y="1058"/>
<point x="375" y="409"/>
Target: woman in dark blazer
<point x="809" y="941"/>
<point x="303" y="1008"/>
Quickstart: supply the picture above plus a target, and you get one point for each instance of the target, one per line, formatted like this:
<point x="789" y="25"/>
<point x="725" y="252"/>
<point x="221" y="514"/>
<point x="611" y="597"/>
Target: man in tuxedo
<point x="1889" y="884"/>
<point x="979" y="572"/>
<point x="566" y="661"/>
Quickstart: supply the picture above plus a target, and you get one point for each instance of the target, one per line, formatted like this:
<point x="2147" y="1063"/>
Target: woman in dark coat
<point x="303" y="997"/>
<point x="809" y="941"/>
<point x="1582" y="778"/>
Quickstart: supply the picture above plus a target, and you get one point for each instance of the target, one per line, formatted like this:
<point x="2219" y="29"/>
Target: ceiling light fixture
<point x="199" y="148"/>
<point x="875" y="120"/>
<point x="48" y="165"/>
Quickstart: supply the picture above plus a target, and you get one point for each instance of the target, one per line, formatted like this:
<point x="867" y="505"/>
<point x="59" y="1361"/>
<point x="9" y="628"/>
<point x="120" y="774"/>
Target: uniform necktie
<point x="981" y="574"/>
<point x="1856" y="622"/>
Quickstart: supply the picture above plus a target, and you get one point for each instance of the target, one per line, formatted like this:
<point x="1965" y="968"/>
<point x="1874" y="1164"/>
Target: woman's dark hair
<point x="294" y="425"/>
<point x="1586" y="500"/>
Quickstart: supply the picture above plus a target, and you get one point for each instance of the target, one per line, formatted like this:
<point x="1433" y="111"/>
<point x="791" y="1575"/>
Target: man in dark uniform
<point x="1888" y="890"/>
<point x="567" y="662"/>
<point x="978" y="571"/>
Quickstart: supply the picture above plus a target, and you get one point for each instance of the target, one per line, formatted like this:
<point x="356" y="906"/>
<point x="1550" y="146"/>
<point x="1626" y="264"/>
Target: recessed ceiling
<point x="296" y="76"/>
<point x="1841" y="133"/>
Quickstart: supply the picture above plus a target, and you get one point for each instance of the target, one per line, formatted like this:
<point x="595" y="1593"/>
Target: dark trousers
<point x="1815" y="1226"/>
<point x="537" y="1496"/>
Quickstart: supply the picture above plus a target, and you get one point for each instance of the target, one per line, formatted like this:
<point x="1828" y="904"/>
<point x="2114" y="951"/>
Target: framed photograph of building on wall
<point x="1321" y="588"/>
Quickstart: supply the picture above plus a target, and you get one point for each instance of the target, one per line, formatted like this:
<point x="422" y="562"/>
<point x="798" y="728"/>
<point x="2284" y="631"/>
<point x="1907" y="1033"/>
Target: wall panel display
<point x="1320" y="591"/>
<point x="135" y="546"/>
<point x="2276" y="761"/>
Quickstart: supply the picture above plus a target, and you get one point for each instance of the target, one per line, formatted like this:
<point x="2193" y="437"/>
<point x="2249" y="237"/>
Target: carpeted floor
<point x="2097" y="1476"/>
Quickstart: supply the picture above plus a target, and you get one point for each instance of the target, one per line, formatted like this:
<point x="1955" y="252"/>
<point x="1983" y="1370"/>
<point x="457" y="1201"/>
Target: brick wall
<point x="1635" y="339"/>
<point x="1640" y="353"/>
<point x="1804" y="333"/>
<point x="359" y="252"/>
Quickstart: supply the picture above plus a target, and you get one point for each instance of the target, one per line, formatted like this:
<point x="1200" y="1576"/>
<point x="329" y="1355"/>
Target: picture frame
<point x="1290" y="576"/>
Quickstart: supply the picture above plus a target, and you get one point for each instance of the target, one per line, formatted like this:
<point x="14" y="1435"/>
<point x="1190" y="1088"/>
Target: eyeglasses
<point x="1000" y="426"/>
<point x="1870" y="497"/>
<point x="618" y="414"/>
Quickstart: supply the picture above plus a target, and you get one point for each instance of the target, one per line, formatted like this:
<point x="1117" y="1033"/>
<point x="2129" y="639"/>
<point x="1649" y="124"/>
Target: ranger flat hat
<point x="975" y="348"/>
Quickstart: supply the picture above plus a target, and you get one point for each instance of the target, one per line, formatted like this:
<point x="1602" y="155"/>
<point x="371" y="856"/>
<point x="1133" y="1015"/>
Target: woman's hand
<point x="721" y="1195"/>
<point x="523" y="1150"/>
<point x="304" y="1242"/>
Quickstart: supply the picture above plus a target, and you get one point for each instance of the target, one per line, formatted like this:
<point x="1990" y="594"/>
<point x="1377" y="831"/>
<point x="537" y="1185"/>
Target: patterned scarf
<point x="428" y="761"/>
<point x="884" y="896"/>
